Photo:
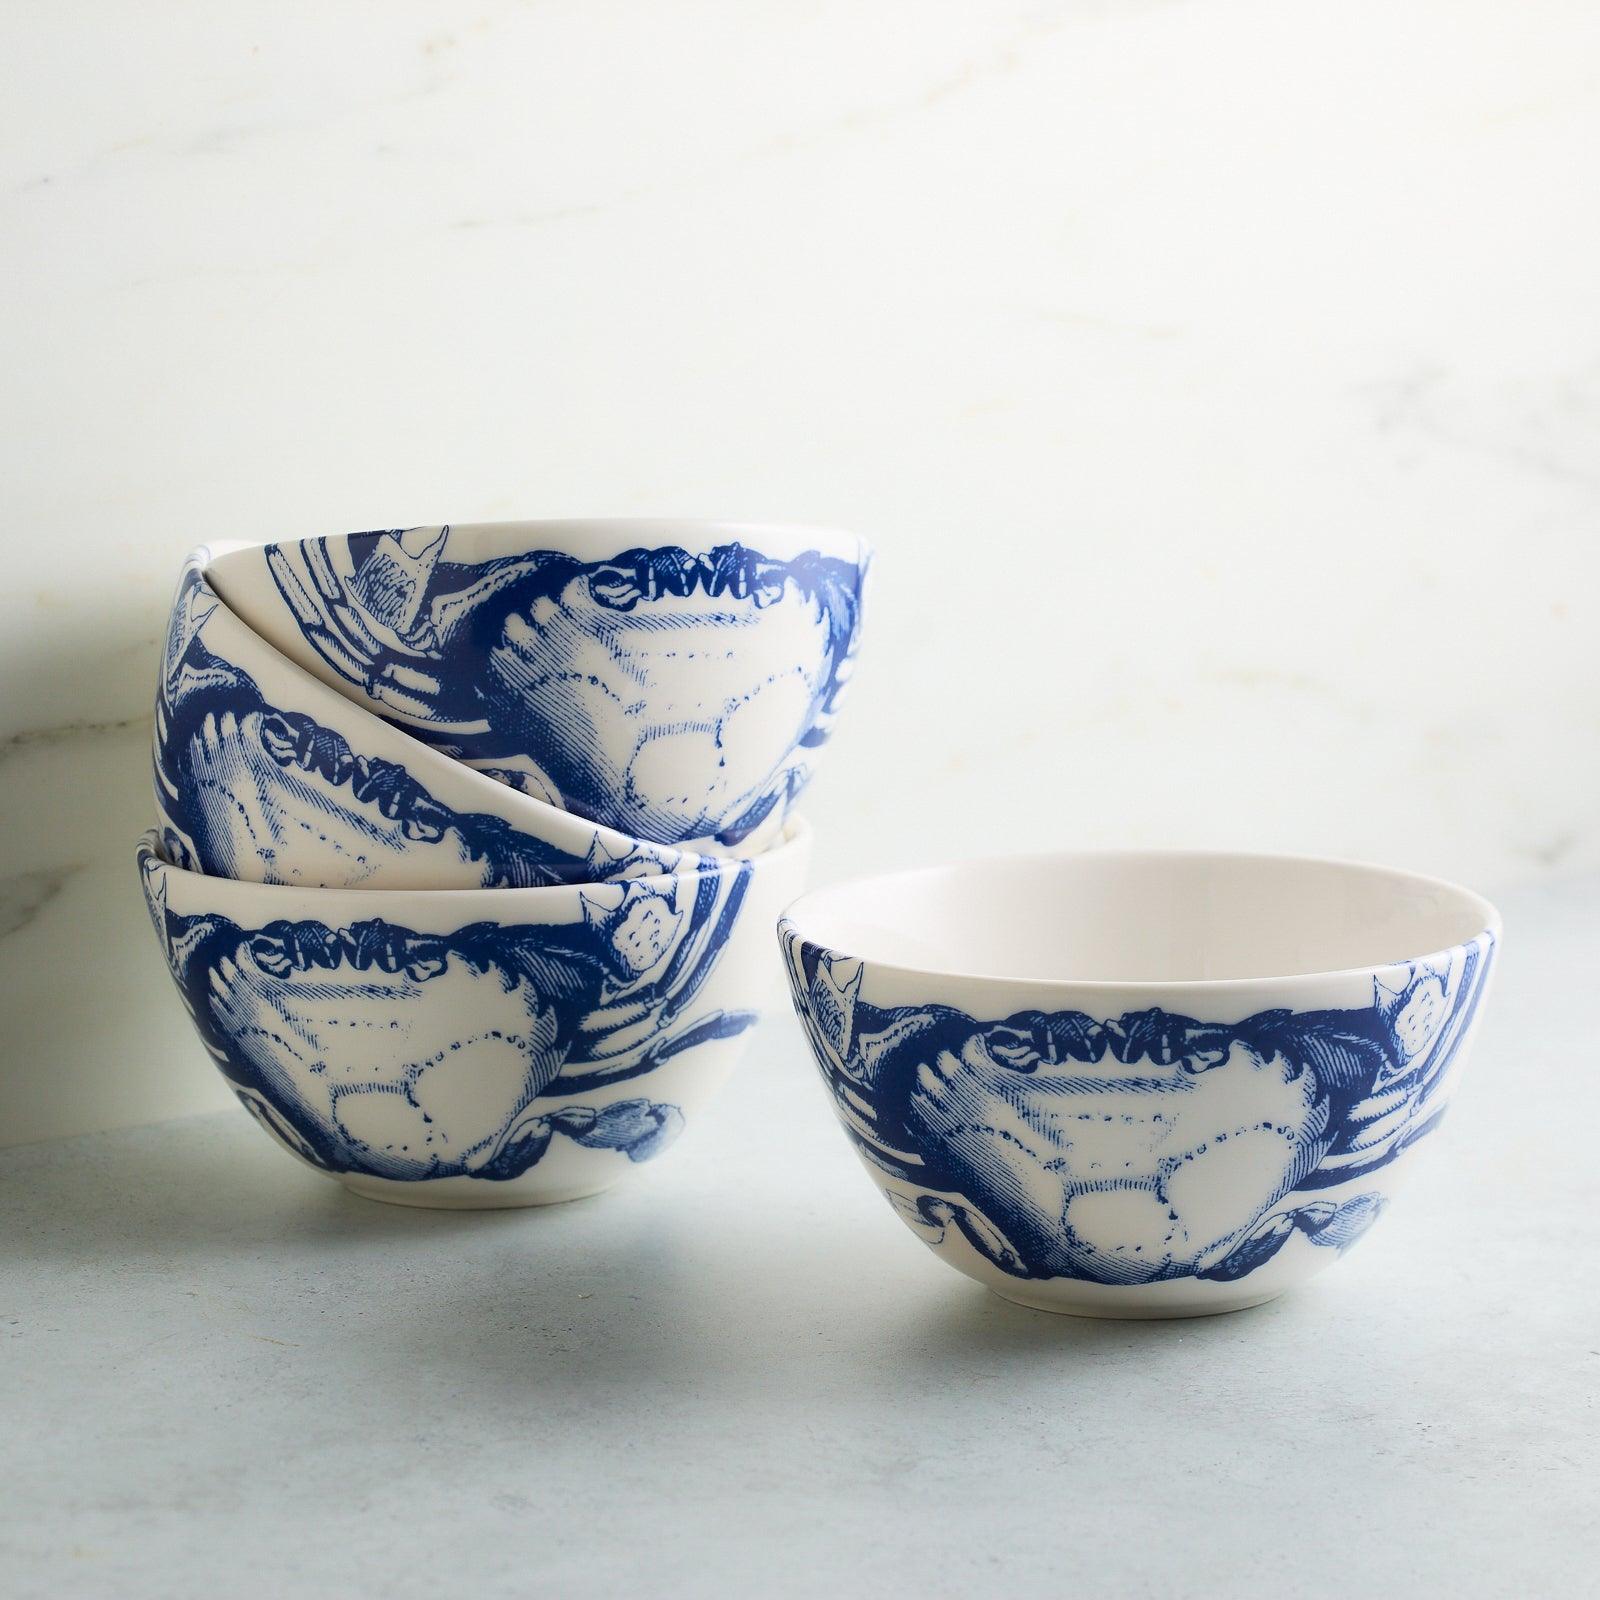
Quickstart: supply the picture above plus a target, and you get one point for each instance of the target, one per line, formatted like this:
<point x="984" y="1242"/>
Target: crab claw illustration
<point x="1321" y="1221"/>
<point x="932" y="1215"/>
<point x="523" y="1146"/>
<point x="639" y="1129"/>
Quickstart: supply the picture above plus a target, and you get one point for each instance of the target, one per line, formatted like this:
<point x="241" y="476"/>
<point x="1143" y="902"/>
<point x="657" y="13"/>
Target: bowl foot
<point x="1094" y="1300"/>
<point x="463" y="1194"/>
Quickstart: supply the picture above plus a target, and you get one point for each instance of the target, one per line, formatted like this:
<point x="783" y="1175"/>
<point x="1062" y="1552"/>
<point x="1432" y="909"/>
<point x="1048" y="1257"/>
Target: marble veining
<point x="23" y="895"/>
<point x="29" y="739"/>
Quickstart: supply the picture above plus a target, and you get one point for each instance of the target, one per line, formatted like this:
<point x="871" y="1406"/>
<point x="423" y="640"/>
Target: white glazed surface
<point x="664" y="700"/>
<point x="477" y="1048"/>
<point x="247" y="809"/>
<point x="1202" y="1084"/>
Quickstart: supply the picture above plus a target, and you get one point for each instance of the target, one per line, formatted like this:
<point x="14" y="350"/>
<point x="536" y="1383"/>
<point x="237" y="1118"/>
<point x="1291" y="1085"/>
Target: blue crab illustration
<point x="565" y="678"/>
<point x="984" y="1122"/>
<point x="403" y="1055"/>
<point x="246" y="788"/>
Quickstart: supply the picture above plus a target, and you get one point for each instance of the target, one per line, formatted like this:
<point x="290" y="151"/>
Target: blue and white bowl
<point x="672" y="680"/>
<point x="494" y="1047"/>
<point x="1140" y="1085"/>
<point x="264" y="773"/>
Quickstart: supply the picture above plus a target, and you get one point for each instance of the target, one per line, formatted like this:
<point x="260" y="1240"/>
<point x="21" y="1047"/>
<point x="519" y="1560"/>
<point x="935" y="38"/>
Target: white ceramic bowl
<point x="264" y="773"/>
<point x="672" y="680"/>
<point x="476" y="1047"/>
<point x="1140" y="1085"/>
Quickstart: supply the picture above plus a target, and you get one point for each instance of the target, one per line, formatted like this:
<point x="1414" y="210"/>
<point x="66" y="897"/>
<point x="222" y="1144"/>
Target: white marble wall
<point x="1219" y="378"/>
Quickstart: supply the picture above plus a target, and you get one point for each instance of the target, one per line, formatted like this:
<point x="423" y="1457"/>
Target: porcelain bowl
<point x="1140" y="1085"/>
<point x="672" y="680"/>
<point x="493" y="1047"/>
<point x="264" y="773"/>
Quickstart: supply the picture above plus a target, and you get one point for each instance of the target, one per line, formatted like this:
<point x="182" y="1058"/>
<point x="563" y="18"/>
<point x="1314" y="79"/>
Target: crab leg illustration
<point x="1323" y="1222"/>
<point x="626" y="1038"/>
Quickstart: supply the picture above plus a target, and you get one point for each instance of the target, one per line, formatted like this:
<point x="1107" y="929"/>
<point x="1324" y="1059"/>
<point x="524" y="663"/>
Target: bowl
<point x="1140" y="1085"/>
<point x="672" y="680"/>
<point x="264" y="773"/>
<point x="476" y="1047"/>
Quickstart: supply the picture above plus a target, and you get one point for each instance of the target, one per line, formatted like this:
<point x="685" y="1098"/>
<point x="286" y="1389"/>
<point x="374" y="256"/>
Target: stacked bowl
<point x="472" y="838"/>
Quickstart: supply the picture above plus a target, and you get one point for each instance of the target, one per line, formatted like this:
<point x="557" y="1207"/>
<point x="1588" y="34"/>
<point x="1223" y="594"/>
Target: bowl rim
<point x="795" y="840"/>
<point x="629" y="531"/>
<point x="792" y="915"/>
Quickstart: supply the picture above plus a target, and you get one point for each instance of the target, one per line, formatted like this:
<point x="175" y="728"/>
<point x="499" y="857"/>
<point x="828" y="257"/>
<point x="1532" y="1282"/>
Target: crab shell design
<point x="670" y="694"/>
<point x="1142" y="1148"/>
<point x="374" y="1049"/>
<point x="249" y="790"/>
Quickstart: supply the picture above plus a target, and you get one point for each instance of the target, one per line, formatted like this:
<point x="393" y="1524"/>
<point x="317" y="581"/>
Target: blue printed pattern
<point x="566" y="678"/>
<point x="248" y="789"/>
<point x="375" y="1049"/>
<point x="1061" y="1146"/>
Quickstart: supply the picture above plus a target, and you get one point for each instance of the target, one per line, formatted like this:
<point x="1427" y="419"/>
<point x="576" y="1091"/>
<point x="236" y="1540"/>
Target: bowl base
<point x="1073" y="1302"/>
<point x="463" y="1194"/>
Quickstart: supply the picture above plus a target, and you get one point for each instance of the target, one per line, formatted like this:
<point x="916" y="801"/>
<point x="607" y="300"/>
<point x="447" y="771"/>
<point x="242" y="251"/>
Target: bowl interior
<point x="1143" y="918"/>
